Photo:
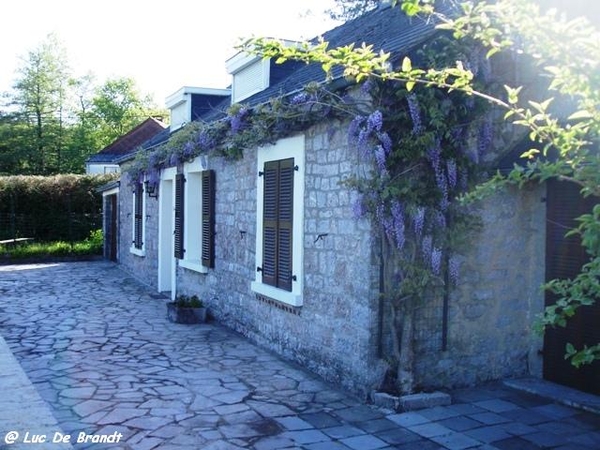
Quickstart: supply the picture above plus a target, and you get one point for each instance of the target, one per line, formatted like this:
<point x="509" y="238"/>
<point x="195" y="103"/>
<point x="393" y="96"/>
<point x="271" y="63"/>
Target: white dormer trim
<point x="180" y="104"/>
<point x="251" y="74"/>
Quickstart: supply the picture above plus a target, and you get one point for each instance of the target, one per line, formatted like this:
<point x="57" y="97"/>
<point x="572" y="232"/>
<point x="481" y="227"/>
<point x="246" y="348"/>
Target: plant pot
<point x="181" y="314"/>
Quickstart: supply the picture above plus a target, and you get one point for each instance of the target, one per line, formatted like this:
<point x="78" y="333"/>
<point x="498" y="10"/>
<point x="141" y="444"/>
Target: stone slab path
<point x="99" y="350"/>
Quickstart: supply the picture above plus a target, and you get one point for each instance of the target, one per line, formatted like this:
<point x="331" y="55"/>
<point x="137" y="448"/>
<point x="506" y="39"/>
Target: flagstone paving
<point x="98" y="348"/>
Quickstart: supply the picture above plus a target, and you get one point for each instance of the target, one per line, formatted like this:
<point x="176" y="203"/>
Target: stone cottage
<point x="271" y="245"/>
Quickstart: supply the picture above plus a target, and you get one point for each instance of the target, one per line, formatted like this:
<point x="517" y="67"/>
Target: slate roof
<point x="386" y="28"/>
<point x="129" y="142"/>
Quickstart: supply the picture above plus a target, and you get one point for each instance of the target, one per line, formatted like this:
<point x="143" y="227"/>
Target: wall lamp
<point x="151" y="189"/>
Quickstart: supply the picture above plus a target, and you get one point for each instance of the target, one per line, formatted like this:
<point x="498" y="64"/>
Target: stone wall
<point x="334" y="333"/>
<point x="145" y="268"/>
<point x="491" y="310"/>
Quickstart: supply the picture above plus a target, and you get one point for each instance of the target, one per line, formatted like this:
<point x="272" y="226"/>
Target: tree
<point x="351" y="9"/>
<point x="118" y="106"/>
<point x="53" y="122"/>
<point x="567" y="54"/>
<point x="40" y="98"/>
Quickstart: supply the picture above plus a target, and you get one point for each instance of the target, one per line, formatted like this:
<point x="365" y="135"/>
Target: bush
<point x="41" y="250"/>
<point x="54" y="208"/>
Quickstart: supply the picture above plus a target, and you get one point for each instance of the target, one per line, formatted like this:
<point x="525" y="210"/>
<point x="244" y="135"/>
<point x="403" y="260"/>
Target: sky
<point x="162" y="45"/>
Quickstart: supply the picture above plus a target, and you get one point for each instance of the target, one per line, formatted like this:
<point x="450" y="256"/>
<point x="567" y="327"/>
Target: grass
<point x="88" y="247"/>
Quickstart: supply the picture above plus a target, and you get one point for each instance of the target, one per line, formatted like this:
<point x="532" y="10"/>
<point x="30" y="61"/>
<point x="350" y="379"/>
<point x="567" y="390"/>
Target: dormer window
<point x="189" y="103"/>
<point x="250" y="75"/>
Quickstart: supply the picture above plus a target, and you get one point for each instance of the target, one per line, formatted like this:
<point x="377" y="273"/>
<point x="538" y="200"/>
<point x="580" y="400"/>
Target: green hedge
<point x="53" y="208"/>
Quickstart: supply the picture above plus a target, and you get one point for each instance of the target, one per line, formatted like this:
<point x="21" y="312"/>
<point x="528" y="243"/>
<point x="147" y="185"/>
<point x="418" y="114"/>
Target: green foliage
<point x="351" y="9"/>
<point x="60" y="207"/>
<point x="185" y="301"/>
<point x="45" y="250"/>
<point x="53" y="122"/>
<point x="117" y="107"/>
<point x="242" y="128"/>
<point x="566" y="53"/>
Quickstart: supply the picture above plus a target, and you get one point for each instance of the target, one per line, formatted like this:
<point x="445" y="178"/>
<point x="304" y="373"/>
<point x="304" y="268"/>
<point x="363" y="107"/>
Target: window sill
<point x="137" y="251"/>
<point x="289" y="298"/>
<point x="193" y="264"/>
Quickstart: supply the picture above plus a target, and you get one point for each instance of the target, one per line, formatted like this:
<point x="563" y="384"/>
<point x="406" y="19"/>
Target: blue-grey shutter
<point x="208" y="218"/>
<point x="178" y="235"/>
<point x="138" y="215"/>
<point x="278" y="207"/>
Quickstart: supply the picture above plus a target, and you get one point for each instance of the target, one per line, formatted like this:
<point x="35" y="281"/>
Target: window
<point x="195" y="217"/>
<point x="280" y="215"/>
<point x="278" y="211"/>
<point x="138" y="228"/>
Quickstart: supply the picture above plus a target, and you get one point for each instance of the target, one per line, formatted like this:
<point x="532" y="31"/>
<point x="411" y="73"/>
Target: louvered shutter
<point x="178" y="235"/>
<point x="269" y="268"/>
<point x="285" y="218"/>
<point x="277" y="223"/>
<point x="138" y="215"/>
<point x="208" y="218"/>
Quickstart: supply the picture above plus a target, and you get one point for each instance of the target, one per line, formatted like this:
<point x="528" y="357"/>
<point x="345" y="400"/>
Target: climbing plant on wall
<point x="424" y="147"/>
<point x="567" y="55"/>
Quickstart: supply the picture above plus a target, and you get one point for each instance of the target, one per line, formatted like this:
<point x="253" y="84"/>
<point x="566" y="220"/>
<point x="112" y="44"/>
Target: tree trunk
<point x="400" y="321"/>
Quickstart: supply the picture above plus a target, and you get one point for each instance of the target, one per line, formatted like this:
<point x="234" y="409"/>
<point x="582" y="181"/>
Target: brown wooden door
<point x="564" y="258"/>
<point x="113" y="232"/>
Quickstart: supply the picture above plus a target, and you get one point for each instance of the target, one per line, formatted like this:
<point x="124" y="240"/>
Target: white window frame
<point x="192" y="216"/>
<point x="133" y="250"/>
<point x="293" y="147"/>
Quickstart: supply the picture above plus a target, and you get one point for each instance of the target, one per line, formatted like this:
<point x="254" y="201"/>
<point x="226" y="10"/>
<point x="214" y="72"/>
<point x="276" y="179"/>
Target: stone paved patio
<point x="98" y="347"/>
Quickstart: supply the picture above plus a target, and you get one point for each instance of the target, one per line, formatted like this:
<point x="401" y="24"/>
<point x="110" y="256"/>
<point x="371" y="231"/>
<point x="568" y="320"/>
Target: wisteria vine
<point x="424" y="146"/>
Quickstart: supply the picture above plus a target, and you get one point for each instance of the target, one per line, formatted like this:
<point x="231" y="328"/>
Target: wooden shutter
<point x="138" y="215"/>
<point x="208" y="218"/>
<point x="564" y="258"/>
<point x="286" y="210"/>
<point x="178" y="235"/>
<point x="277" y="223"/>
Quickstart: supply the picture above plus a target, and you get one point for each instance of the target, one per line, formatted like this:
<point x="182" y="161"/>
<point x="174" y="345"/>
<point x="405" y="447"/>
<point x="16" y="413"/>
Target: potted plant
<point x="186" y="309"/>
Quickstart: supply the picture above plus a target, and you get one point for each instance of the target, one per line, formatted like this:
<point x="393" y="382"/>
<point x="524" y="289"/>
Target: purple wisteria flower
<point x="415" y="113"/>
<point x="442" y="185"/>
<point x="454" y="269"/>
<point x="154" y="160"/>
<point x="452" y="171"/>
<point x="463" y="178"/>
<point x="366" y="87"/>
<point x="398" y="223"/>
<point x="419" y="220"/>
<point x="386" y="141"/>
<point x="238" y="120"/>
<point x="205" y="141"/>
<point x="174" y="159"/>
<point x="375" y="121"/>
<point x="426" y="248"/>
<point x="434" y="155"/>
<point x="300" y="98"/>
<point x="440" y="219"/>
<point x="380" y="158"/>
<point x="354" y="127"/>
<point x="188" y="149"/>
<point x="436" y="260"/>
